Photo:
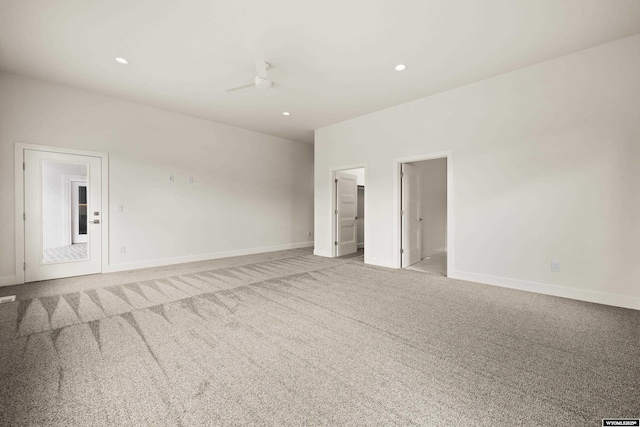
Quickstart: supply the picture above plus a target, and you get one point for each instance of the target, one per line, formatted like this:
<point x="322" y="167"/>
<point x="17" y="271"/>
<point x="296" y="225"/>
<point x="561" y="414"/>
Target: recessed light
<point x="121" y="61"/>
<point x="286" y="113"/>
<point x="401" y="67"/>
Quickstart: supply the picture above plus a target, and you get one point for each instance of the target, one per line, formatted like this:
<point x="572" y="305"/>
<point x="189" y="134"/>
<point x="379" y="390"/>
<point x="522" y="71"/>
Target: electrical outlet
<point x="555" y="266"/>
<point x="190" y="180"/>
<point x="8" y="298"/>
<point x="123" y="249"/>
<point x="171" y="178"/>
<point x="308" y="234"/>
<point x="120" y="208"/>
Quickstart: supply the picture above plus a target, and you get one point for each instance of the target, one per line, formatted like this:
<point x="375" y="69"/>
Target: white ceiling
<point x="331" y="59"/>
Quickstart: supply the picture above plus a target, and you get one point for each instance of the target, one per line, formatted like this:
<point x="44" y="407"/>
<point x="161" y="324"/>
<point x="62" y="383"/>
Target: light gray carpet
<point x="293" y="339"/>
<point x="358" y="255"/>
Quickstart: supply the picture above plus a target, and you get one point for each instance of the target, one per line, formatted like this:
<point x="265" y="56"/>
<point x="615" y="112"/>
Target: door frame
<point x="397" y="200"/>
<point x="334" y="227"/>
<point x="20" y="201"/>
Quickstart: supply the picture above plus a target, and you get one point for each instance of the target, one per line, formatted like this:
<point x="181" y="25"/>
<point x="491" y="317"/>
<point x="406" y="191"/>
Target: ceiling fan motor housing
<point x="263" y="83"/>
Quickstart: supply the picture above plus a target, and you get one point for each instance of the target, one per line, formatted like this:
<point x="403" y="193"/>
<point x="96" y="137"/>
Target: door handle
<point x="420" y="220"/>
<point x="95" y="221"/>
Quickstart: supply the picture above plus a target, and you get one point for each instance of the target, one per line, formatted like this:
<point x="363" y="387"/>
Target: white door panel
<point x="53" y="215"/>
<point x="411" y="204"/>
<point x="347" y="207"/>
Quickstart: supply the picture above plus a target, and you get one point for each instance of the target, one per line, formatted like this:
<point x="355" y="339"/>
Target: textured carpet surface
<point x="288" y="338"/>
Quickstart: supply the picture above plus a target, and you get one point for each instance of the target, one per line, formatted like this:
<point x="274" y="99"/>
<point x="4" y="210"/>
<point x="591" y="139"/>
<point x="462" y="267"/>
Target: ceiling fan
<point x="261" y="81"/>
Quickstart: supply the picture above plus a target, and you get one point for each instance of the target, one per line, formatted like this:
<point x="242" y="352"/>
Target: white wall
<point x="53" y="212"/>
<point x="56" y="202"/>
<point x="433" y="189"/>
<point x="546" y="166"/>
<point x="251" y="191"/>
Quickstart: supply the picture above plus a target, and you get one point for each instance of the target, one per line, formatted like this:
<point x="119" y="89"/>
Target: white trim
<point x="19" y="212"/>
<point x="202" y="257"/>
<point x="397" y="192"/>
<point x="606" y="298"/>
<point x="333" y="174"/>
<point x="19" y="200"/>
<point x="7" y="281"/>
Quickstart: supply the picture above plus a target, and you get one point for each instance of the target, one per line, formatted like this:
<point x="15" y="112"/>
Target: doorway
<point x="78" y="211"/>
<point x="349" y="212"/>
<point x="424" y="215"/>
<point x="62" y="195"/>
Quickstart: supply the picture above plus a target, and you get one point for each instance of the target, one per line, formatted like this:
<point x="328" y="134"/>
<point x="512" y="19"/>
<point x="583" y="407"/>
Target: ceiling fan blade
<point x="261" y="68"/>
<point x="233" y="89"/>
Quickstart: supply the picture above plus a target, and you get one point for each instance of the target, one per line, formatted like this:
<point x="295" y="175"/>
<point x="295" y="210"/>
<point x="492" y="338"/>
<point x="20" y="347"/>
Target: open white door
<point x="347" y="211"/>
<point x="411" y="239"/>
<point x="51" y="217"/>
<point x="78" y="211"/>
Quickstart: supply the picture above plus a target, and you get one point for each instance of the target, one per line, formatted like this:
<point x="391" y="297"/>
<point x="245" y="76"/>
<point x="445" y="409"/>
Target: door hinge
<point x="401" y="251"/>
<point x="335" y="243"/>
<point x="401" y="212"/>
<point x="24" y="266"/>
<point x="23" y="166"/>
<point x="336" y="212"/>
<point x="24" y="216"/>
<point x="401" y="174"/>
<point x="336" y="180"/>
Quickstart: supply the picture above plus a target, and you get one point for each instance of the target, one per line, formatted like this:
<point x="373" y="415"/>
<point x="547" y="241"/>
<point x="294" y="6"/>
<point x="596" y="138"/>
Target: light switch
<point x="120" y="208"/>
<point x="555" y="266"/>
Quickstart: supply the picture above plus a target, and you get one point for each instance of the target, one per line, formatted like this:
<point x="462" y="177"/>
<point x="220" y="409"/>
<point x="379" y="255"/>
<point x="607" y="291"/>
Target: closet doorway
<point x="349" y="212"/>
<point x="424" y="215"/>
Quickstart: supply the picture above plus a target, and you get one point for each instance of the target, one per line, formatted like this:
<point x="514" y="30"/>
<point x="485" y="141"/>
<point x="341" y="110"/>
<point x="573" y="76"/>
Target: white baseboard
<point x="437" y="251"/>
<point x="7" y="281"/>
<point x="201" y="257"/>
<point x="320" y="252"/>
<point x="606" y="298"/>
